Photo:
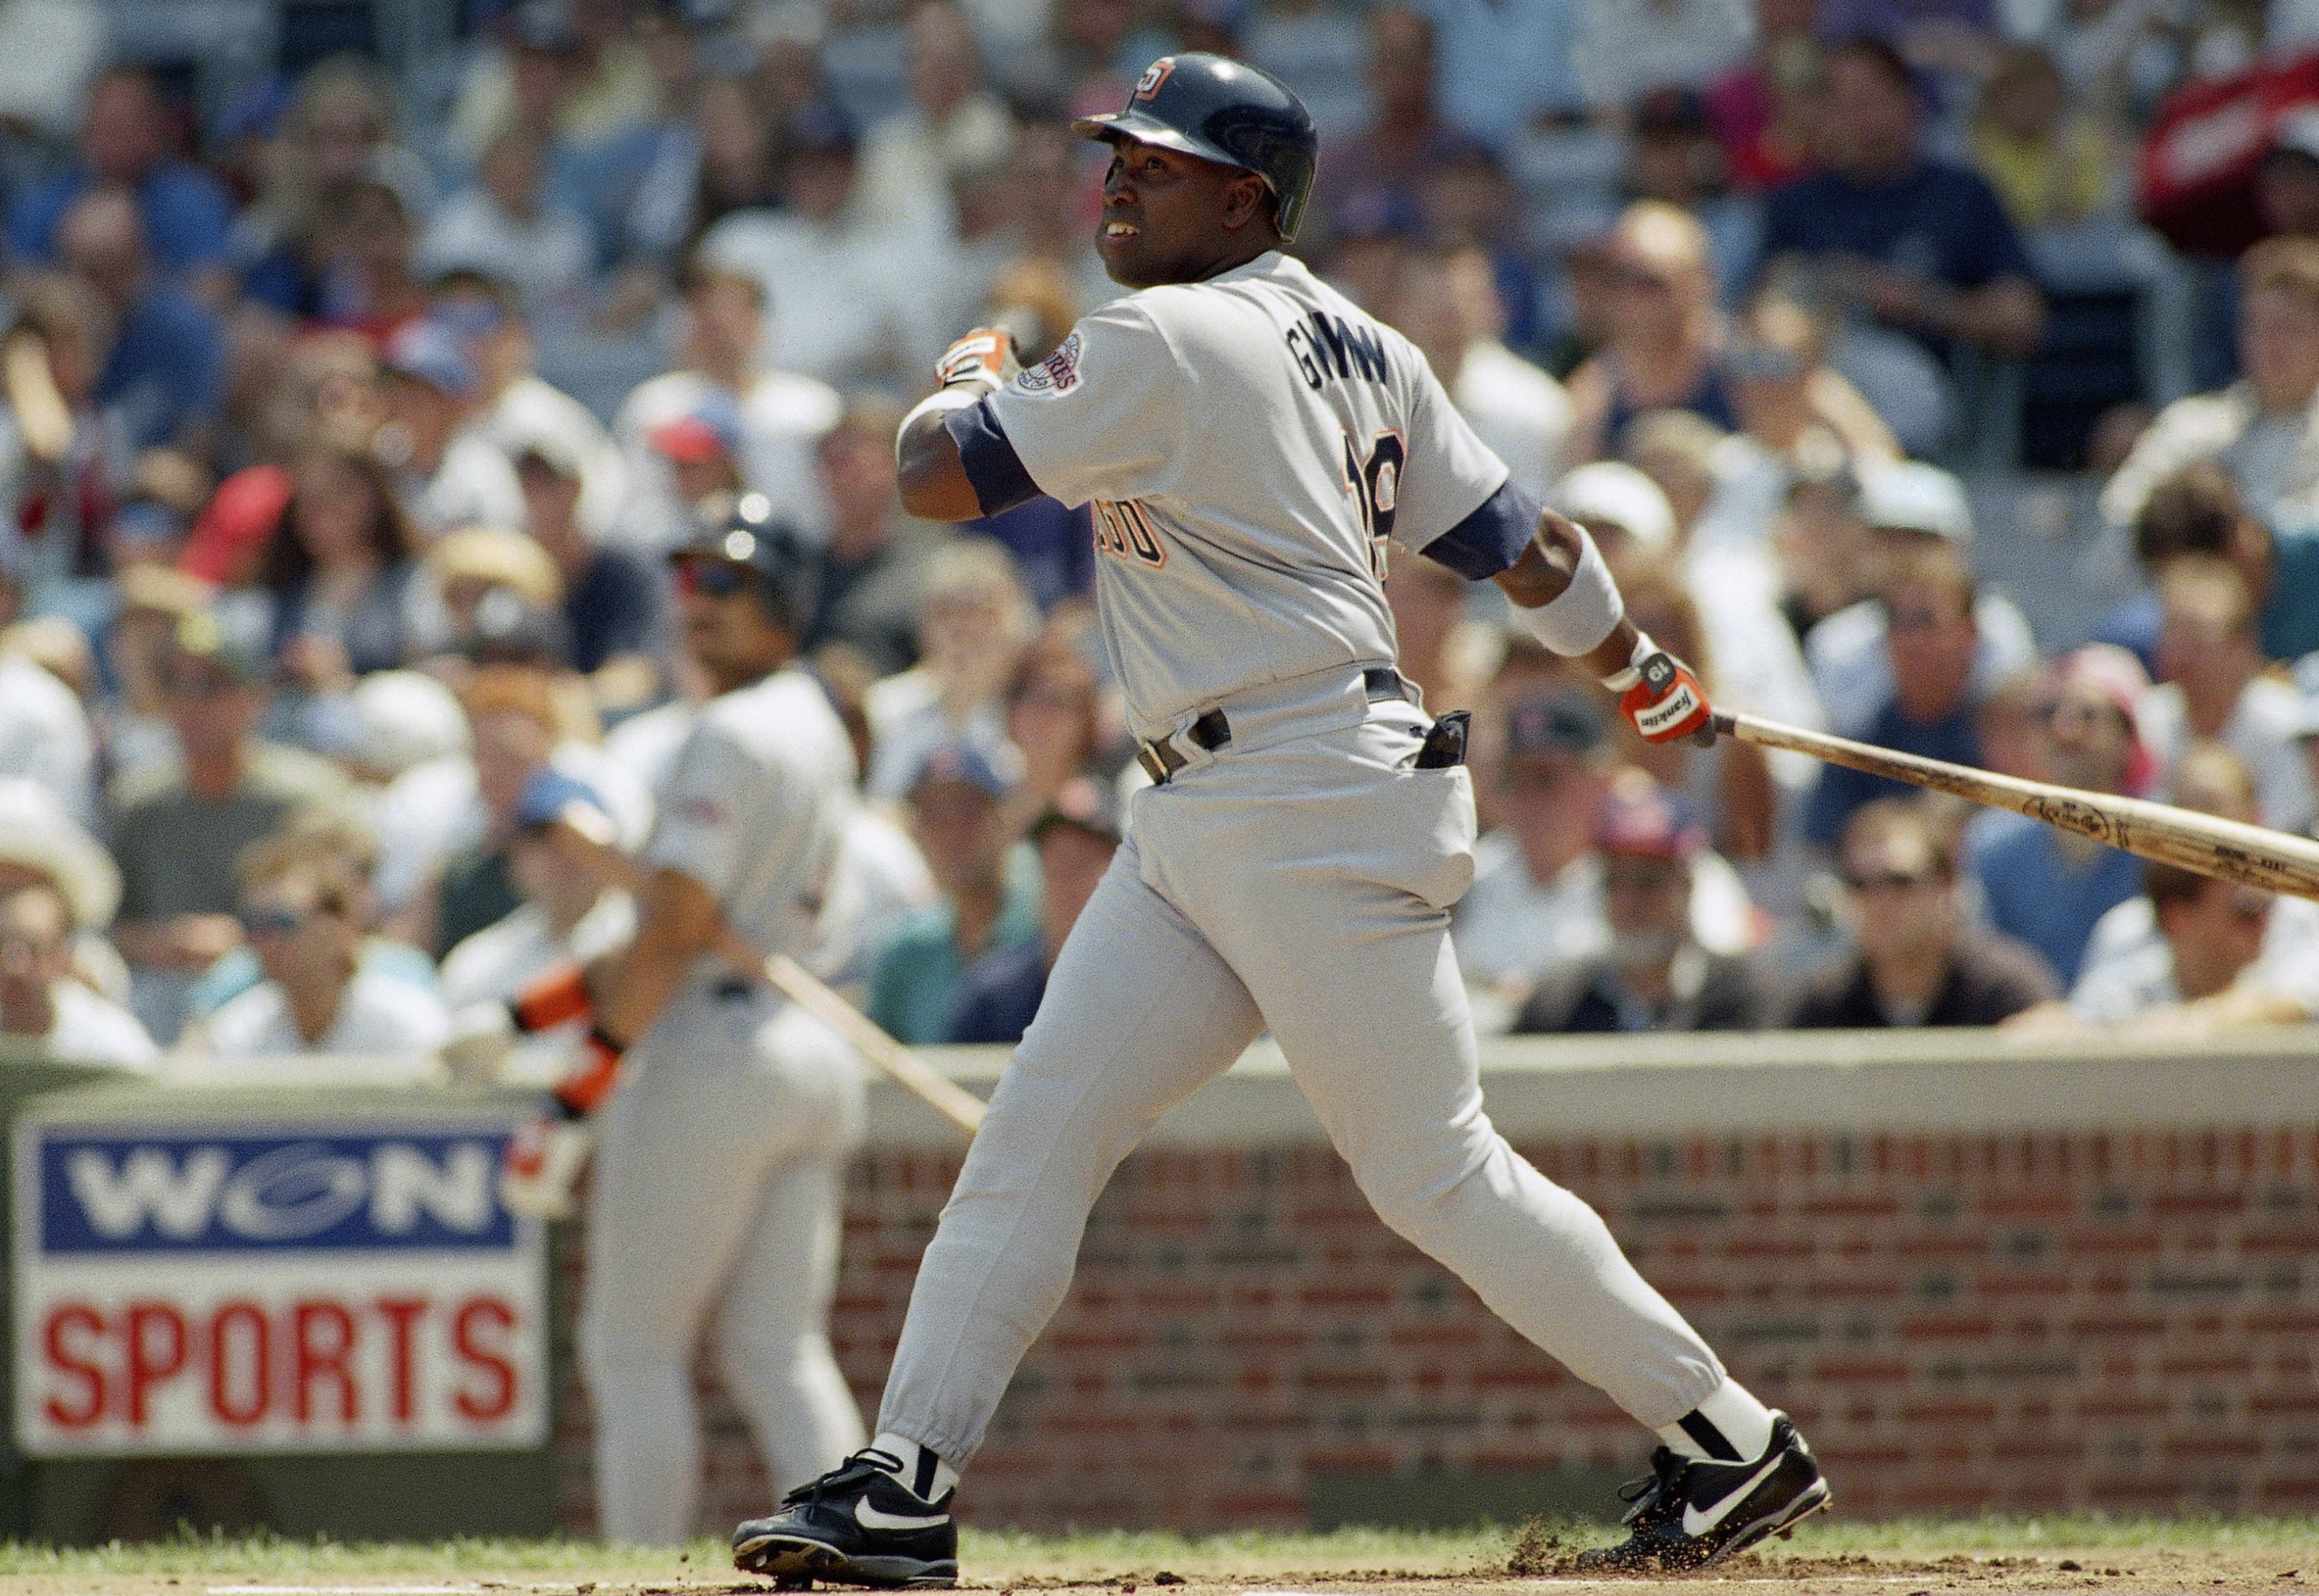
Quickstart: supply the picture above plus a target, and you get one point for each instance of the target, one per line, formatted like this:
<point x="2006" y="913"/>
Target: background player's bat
<point x="2206" y="843"/>
<point x="801" y="987"/>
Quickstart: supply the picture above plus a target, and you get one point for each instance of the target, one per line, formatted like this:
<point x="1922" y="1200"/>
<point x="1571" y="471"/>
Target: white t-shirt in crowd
<point x="1518" y="409"/>
<point x="1508" y="926"/>
<point x="44" y="735"/>
<point x="87" y="1029"/>
<point x="378" y="1014"/>
<point x="2129" y="965"/>
<point x="2264" y="730"/>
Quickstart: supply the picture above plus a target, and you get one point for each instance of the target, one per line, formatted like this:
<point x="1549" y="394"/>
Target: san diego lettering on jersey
<point x="1326" y="346"/>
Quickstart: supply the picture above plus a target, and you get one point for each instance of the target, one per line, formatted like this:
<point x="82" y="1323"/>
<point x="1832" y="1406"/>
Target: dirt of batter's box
<point x="2141" y="1570"/>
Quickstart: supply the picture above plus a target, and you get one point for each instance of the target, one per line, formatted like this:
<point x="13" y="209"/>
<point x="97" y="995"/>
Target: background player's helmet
<point x="742" y="530"/>
<point x="1221" y="110"/>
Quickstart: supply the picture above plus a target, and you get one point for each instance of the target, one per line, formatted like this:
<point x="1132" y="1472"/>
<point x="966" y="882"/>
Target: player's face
<point x="726" y="628"/>
<point x="1172" y="218"/>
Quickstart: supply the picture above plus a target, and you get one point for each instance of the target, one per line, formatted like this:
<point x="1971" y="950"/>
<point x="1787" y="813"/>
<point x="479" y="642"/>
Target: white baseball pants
<point x="1303" y="884"/>
<point x="716" y="1192"/>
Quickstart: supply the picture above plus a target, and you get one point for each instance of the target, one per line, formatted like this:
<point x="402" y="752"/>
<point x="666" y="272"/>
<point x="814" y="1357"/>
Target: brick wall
<point x="2119" y="1318"/>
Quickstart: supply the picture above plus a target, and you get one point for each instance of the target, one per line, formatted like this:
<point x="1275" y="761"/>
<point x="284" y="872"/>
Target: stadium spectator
<point x="2051" y="164"/>
<point x="45" y="735"/>
<point x="340" y="126"/>
<point x="1667" y="349"/>
<point x="782" y="415"/>
<point x="1502" y="68"/>
<point x="1620" y="48"/>
<point x="447" y="473"/>
<point x="1916" y="959"/>
<point x="952" y="126"/>
<point x="304" y="904"/>
<point x="973" y="625"/>
<point x="2212" y="689"/>
<point x="1930" y="638"/>
<point x="2197" y="511"/>
<point x="1055" y="719"/>
<point x="567" y="912"/>
<point x="1905" y="507"/>
<point x="365" y="239"/>
<point x="2135" y="970"/>
<point x="1922" y="246"/>
<point x="839" y="281"/>
<point x="2044" y="885"/>
<point x="1447" y="302"/>
<point x="2263" y="429"/>
<point x="1537" y="896"/>
<point x="162" y="377"/>
<point x="1074" y="838"/>
<point x="46" y="854"/>
<point x="127" y="140"/>
<point x="339" y="569"/>
<point x="508" y="225"/>
<point x="958" y="814"/>
<point x="41" y="1004"/>
<point x="874" y="577"/>
<point x="1653" y="975"/>
<point x="177" y="830"/>
<point x="614" y="604"/>
<point x="1763" y="110"/>
<point x="1386" y="161"/>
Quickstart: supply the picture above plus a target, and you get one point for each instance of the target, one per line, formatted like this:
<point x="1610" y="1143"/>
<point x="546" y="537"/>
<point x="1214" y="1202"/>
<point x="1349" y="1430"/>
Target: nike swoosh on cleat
<point x="1695" y="1522"/>
<point x="872" y="1517"/>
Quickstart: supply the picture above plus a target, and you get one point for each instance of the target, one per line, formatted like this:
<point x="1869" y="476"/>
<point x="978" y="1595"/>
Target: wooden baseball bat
<point x="938" y="1092"/>
<point x="2209" y="845"/>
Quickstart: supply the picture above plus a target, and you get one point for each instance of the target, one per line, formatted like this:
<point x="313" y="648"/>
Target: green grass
<point x="1093" y="1554"/>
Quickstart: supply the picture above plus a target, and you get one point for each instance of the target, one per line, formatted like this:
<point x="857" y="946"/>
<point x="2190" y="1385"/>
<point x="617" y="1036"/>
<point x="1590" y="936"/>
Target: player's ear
<point x="1244" y="201"/>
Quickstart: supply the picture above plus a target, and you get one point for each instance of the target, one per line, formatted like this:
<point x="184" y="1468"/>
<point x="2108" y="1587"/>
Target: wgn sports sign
<point x="341" y="1284"/>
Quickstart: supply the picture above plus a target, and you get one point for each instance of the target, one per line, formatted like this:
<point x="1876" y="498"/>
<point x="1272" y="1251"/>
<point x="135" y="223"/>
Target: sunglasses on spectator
<point x="2075" y="712"/>
<point x="280" y="920"/>
<point x="1641" y="876"/>
<point x="2248" y="907"/>
<point x="200" y="684"/>
<point x="1915" y="617"/>
<point x="711" y="579"/>
<point x="1888" y="880"/>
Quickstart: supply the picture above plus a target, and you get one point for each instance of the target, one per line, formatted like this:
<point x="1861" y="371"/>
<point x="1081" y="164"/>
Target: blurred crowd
<point x="349" y="419"/>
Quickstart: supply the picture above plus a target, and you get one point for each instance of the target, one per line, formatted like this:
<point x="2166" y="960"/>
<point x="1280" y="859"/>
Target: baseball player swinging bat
<point x="2273" y="860"/>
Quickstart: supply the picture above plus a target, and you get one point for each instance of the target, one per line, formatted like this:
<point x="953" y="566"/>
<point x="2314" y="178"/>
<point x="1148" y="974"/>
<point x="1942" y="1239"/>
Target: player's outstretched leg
<point x="1139" y="1014"/>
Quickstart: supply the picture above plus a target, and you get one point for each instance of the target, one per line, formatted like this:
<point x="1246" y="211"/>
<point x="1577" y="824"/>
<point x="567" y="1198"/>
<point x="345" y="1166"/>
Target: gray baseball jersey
<point x="754" y="804"/>
<point x="1251" y="444"/>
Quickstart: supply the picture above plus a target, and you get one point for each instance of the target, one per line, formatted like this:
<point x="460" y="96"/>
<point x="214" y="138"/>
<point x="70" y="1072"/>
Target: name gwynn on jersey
<point x="1326" y="345"/>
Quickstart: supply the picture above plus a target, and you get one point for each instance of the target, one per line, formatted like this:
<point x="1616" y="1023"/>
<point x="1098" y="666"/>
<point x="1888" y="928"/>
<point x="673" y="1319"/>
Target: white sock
<point x="1729" y="1427"/>
<point x="923" y="1474"/>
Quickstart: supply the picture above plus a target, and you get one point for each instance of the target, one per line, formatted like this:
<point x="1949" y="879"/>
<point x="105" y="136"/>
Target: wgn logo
<point x="142" y="1192"/>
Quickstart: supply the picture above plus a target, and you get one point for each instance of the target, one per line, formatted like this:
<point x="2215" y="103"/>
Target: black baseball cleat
<point x="1692" y="1513"/>
<point x="857" y="1525"/>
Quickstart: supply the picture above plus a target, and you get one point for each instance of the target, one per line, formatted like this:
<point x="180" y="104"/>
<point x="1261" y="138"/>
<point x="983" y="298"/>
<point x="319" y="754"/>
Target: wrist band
<point x="1619" y="681"/>
<point x="1584" y="613"/>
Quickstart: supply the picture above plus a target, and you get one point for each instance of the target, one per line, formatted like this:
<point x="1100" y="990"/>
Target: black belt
<point x="1160" y="758"/>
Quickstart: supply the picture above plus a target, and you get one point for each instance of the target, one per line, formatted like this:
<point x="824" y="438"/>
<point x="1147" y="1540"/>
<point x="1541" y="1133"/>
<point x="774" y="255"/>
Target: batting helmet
<point x="741" y="530"/>
<point x="1223" y="111"/>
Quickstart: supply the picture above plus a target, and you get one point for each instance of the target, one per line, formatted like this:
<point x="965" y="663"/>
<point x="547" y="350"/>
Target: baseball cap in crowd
<point x="402" y="719"/>
<point x="36" y="834"/>
<point x="226" y="640"/>
<point x="1091" y="806"/>
<point x="427" y="351"/>
<point x="967" y="763"/>
<point x="1612" y="493"/>
<point x="1915" y="497"/>
<point x="1556" y="723"/>
<point x="2117" y="676"/>
<point x="1637" y="815"/>
<point x="233" y="529"/>
<point x="710" y="429"/>
<point x="550" y="798"/>
<point x="2304" y="725"/>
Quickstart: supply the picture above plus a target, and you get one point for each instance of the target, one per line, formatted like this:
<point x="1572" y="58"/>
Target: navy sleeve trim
<point x="992" y="465"/>
<point x="1491" y="538"/>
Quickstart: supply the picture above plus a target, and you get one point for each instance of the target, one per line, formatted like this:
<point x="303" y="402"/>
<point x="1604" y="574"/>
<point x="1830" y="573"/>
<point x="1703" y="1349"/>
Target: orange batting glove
<point x="984" y="358"/>
<point x="1660" y="697"/>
